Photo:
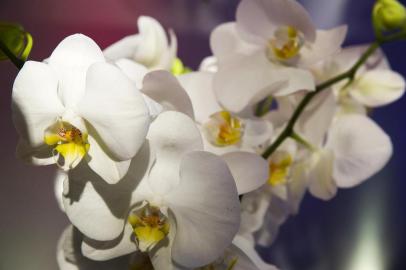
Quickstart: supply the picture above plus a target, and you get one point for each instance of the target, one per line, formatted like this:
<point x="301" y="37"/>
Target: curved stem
<point x="349" y="74"/>
<point x="16" y="61"/>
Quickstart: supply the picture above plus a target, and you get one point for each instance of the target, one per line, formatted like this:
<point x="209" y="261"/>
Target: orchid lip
<point x="224" y="129"/>
<point x="70" y="144"/>
<point x="150" y="225"/>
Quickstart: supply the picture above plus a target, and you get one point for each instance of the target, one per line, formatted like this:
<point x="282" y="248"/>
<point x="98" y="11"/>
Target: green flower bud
<point x="389" y="15"/>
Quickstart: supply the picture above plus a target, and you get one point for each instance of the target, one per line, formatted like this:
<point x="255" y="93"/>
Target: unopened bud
<point x="389" y="15"/>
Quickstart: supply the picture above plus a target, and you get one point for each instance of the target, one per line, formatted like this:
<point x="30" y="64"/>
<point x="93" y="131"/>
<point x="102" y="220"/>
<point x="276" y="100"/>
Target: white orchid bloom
<point x="266" y="50"/>
<point x="374" y="85"/>
<point x="174" y="197"/>
<point x="346" y="149"/>
<point x="356" y="148"/>
<point x="237" y="139"/>
<point x="150" y="48"/>
<point x="78" y="107"/>
<point x="241" y="255"/>
<point x="192" y="95"/>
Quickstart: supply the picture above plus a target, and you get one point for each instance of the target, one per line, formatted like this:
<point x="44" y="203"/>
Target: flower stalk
<point x="350" y="74"/>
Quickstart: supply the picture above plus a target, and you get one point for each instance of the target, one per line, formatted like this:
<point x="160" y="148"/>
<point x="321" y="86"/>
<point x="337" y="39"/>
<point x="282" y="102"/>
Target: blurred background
<point x="361" y="229"/>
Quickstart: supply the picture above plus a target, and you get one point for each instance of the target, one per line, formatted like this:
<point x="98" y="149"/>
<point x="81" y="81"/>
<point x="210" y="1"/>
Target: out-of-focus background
<point x="361" y="229"/>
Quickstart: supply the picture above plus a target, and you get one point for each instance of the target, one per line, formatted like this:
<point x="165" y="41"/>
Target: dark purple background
<point x="361" y="225"/>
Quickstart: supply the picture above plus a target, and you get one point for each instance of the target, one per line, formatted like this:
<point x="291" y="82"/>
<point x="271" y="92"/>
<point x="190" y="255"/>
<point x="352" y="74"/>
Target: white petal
<point x="254" y="206"/>
<point x="153" y="42"/>
<point x="261" y="17"/>
<point x="107" y="250"/>
<point x="248" y="258"/>
<point x="208" y="64"/>
<point x="321" y="182"/>
<point x="257" y="133"/>
<point x="110" y="170"/>
<point x="35" y="101"/>
<point x="198" y="86"/>
<point x="327" y="43"/>
<point x="70" y="257"/>
<point x="244" y="81"/>
<point x="378" y="87"/>
<point x="171" y="135"/>
<point x="361" y="149"/>
<point x="165" y="89"/>
<point x="71" y="59"/>
<point x="39" y="156"/>
<point x="98" y="209"/>
<point x="95" y="210"/>
<point x="124" y="48"/>
<point x="250" y="171"/>
<point x="225" y="42"/>
<point x="116" y="110"/>
<point x="315" y="121"/>
<point x="59" y="182"/>
<point x="161" y="255"/>
<point x="169" y="55"/>
<point x="206" y="208"/>
<point x="133" y="70"/>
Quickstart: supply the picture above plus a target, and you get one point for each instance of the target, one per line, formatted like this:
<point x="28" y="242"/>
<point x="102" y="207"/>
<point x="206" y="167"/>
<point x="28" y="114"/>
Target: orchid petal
<point x="261" y="17"/>
<point x="248" y="258"/>
<point x="250" y="171"/>
<point x="378" y="87"/>
<point x="225" y="41"/>
<point x="39" y="156"/>
<point x="206" y="208"/>
<point x="165" y="89"/>
<point x="69" y="256"/>
<point x="124" y="48"/>
<point x="36" y="104"/>
<point x="321" y="184"/>
<point x="116" y="110"/>
<point x="134" y="71"/>
<point x="106" y="250"/>
<point x="59" y="182"/>
<point x="153" y="41"/>
<point x="245" y="81"/>
<point x="71" y="60"/>
<point x="171" y="135"/>
<point x="110" y="170"/>
<point x="198" y="86"/>
<point x="361" y="149"/>
<point x="327" y="43"/>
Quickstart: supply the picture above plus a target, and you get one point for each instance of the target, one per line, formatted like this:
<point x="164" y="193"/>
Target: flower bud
<point x="389" y="15"/>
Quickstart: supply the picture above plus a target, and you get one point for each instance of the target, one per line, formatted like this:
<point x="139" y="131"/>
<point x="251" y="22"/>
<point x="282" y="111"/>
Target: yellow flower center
<point x="286" y="44"/>
<point x="279" y="166"/>
<point x="69" y="142"/>
<point x="223" y="129"/>
<point x="150" y="226"/>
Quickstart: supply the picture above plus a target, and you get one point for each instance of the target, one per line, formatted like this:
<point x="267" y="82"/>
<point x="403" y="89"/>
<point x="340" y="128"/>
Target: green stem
<point x="349" y="74"/>
<point x="302" y="141"/>
<point x="16" y="61"/>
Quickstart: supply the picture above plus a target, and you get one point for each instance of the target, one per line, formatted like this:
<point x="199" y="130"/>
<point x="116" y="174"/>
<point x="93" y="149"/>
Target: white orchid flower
<point x="266" y="50"/>
<point x="174" y="196"/>
<point x="237" y="139"/>
<point x="150" y="48"/>
<point x="241" y="255"/>
<point x="356" y="148"/>
<point x="346" y="149"/>
<point x="192" y="95"/>
<point x="374" y="85"/>
<point x="78" y="107"/>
